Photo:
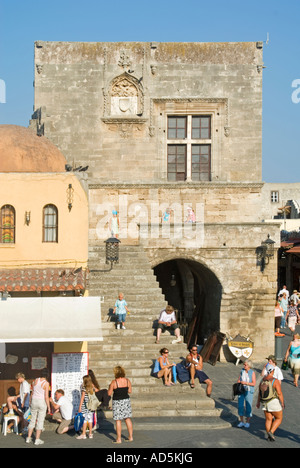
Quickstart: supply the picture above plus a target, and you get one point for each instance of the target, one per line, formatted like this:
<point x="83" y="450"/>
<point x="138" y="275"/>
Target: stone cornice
<point x="176" y="185"/>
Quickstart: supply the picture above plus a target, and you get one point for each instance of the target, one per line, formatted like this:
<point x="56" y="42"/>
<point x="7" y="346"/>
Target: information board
<point x="68" y="370"/>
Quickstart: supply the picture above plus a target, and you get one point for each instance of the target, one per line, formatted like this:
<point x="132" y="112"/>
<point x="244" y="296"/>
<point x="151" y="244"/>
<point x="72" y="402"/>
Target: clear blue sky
<point x="22" y="22"/>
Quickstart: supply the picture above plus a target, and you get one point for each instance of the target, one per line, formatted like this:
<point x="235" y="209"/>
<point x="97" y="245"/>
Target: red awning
<point x="294" y="250"/>
<point x="285" y="244"/>
<point x="46" y="279"/>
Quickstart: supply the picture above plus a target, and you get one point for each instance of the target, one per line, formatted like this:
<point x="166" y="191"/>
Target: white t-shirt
<point x="65" y="407"/>
<point x="277" y="373"/>
<point x="284" y="291"/>
<point x="168" y="318"/>
<point x="295" y="298"/>
<point x="25" y="388"/>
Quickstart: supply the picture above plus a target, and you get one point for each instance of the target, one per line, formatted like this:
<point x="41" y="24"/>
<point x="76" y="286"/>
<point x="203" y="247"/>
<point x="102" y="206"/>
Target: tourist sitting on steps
<point x="163" y="368"/>
<point x="194" y="364"/>
<point x="167" y="321"/>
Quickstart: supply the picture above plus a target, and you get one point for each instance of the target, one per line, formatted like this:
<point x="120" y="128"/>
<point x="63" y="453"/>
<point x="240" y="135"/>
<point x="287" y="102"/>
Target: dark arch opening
<point x="195" y="291"/>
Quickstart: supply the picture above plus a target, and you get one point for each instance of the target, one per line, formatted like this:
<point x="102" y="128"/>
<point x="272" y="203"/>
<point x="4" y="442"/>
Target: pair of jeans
<point x="282" y="325"/>
<point x="121" y="318"/>
<point x="245" y="404"/>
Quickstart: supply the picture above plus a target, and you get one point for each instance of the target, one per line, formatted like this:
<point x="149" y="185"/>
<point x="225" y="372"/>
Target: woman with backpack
<point x="270" y="395"/>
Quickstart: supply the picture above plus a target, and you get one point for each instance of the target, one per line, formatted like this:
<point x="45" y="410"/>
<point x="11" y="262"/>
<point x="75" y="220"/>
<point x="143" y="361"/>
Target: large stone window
<point x="189" y="148"/>
<point x="192" y="138"/>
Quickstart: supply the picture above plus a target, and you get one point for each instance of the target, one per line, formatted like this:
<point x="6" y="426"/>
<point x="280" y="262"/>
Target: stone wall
<point x="105" y="104"/>
<point x="144" y="203"/>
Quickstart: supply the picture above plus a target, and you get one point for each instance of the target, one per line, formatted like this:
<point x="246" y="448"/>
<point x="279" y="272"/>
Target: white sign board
<point x="68" y="369"/>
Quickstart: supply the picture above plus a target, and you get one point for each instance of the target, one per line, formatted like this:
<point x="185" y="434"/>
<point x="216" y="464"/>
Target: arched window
<point x="8" y="225"/>
<point x="50" y="223"/>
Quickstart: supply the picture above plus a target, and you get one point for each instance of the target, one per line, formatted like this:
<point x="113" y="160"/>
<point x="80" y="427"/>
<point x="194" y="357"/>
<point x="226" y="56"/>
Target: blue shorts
<point x="121" y="318"/>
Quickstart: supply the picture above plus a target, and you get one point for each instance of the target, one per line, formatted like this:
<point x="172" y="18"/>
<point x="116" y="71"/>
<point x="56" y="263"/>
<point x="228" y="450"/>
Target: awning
<point x="50" y="319"/>
<point x="42" y="279"/>
<point x="294" y="250"/>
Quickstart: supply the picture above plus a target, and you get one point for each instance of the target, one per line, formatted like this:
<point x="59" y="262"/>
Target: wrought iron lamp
<point x="111" y="253"/>
<point x="264" y="252"/>
<point x="70" y="196"/>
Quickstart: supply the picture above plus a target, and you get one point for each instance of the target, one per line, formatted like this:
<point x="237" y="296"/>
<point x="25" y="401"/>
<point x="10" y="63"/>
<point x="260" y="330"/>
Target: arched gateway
<point x="196" y="292"/>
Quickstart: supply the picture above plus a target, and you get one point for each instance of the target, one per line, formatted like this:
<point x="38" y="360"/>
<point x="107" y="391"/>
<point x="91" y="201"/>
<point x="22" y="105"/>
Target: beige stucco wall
<point x="31" y="192"/>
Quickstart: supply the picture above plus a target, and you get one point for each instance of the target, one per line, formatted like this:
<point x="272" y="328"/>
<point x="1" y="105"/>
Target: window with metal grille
<point x="274" y="196"/>
<point x="8" y="225"/>
<point x="50" y="223"/>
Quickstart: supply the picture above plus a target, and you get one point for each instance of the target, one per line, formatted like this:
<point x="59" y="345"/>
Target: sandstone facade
<point x="171" y="126"/>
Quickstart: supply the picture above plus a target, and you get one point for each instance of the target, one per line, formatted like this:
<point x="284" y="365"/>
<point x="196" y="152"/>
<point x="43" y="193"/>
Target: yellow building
<point x="43" y="256"/>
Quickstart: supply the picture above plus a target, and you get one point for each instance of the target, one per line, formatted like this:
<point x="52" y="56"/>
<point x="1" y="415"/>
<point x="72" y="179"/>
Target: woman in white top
<point x="277" y="371"/>
<point x="39" y="405"/>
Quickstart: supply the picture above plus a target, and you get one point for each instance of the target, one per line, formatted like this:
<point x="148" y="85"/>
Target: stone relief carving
<point x="124" y="88"/>
<point x="124" y="97"/>
<point x="127" y="128"/>
<point x="124" y="60"/>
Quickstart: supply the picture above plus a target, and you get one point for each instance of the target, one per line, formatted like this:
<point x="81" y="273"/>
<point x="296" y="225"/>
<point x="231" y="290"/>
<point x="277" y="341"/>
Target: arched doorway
<point x="196" y="292"/>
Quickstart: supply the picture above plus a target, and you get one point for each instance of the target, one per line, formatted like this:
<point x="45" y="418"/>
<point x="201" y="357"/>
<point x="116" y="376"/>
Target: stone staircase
<point x="135" y="348"/>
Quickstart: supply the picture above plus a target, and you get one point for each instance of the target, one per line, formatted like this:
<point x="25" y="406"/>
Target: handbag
<point x="78" y="421"/>
<point x="237" y="389"/>
<point x="93" y="402"/>
<point x="284" y="365"/>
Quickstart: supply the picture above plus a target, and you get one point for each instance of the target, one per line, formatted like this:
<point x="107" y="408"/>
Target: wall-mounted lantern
<point x="27" y="217"/>
<point x="264" y="252"/>
<point x="70" y="196"/>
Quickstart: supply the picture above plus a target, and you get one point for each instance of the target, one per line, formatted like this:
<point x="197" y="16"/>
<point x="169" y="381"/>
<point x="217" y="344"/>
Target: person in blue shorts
<point x="194" y="364"/>
<point x="120" y="310"/>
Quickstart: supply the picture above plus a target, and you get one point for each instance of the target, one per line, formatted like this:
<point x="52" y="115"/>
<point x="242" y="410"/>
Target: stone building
<point x="170" y="135"/>
<point x="281" y="204"/>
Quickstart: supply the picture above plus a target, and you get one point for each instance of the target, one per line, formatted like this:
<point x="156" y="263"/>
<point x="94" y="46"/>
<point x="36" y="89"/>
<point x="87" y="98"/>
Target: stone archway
<point x="195" y="291"/>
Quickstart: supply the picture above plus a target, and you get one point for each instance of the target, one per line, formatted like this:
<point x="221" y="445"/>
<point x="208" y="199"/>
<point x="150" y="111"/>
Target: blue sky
<point x="22" y="22"/>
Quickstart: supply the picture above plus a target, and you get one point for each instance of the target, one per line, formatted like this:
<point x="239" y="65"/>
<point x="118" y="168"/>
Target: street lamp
<point x="264" y="252"/>
<point x="111" y="253"/>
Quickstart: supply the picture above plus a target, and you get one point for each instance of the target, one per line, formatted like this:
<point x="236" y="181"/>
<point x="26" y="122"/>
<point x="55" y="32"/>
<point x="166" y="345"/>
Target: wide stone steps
<point x="135" y="348"/>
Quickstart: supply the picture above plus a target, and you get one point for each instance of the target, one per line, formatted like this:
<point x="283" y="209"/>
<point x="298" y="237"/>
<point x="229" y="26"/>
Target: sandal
<point x="81" y="437"/>
<point x="116" y="442"/>
<point x="192" y="385"/>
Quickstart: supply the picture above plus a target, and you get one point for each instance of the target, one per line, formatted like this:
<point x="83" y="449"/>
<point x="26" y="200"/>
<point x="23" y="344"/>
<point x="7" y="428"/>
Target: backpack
<point x="156" y="367"/>
<point x="266" y="390"/>
<point x="93" y="402"/>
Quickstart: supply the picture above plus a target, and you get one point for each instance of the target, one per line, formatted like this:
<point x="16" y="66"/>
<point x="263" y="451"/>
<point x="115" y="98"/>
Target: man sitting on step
<point x="167" y="321"/>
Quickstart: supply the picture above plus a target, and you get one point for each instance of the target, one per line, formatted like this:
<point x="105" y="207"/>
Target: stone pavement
<point x="183" y="434"/>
